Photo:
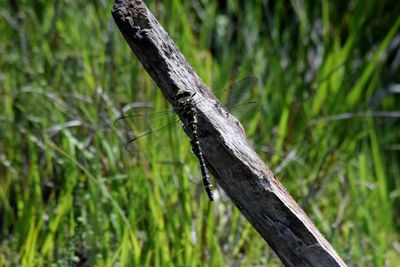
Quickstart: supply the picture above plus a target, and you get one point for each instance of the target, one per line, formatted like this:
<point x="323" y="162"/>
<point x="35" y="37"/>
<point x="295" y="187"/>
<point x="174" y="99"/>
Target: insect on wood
<point x="186" y="106"/>
<point x="239" y="97"/>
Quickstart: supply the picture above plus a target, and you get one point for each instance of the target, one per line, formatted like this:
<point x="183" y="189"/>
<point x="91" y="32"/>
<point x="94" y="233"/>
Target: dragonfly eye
<point x="182" y="95"/>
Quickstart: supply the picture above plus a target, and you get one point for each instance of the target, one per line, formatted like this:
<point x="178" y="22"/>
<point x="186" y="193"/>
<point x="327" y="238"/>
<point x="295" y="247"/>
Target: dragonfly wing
<point x="148" y="126"/>
<point x="242" y="91"/>
<point x="241" y="98"/>
<point x="140" y="114"/>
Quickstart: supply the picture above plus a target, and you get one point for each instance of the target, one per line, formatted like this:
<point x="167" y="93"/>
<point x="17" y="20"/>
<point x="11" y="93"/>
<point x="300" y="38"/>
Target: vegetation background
<point x="70" y="194"/>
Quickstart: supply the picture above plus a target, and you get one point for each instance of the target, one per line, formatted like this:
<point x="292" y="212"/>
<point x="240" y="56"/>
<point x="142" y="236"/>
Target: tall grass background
<point x="70" y="194"/>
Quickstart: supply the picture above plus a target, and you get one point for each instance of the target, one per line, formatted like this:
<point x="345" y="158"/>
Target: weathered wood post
<point x="248" y="182"/>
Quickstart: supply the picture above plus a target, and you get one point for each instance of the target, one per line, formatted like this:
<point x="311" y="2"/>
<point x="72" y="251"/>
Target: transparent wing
<point x="240" y="98"/>
<point x="151" y="126"/>
<point x="241" y="91"/>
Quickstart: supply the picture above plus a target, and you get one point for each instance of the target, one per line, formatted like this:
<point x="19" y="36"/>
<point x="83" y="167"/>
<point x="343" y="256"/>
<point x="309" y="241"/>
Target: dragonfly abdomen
<point x="204" y="171"/>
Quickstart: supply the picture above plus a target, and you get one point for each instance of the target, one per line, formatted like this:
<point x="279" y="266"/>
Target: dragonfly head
<point x="183" y="96"/>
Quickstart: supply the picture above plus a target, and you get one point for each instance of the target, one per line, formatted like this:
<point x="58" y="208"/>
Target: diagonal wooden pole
<point x="248" y="182"/>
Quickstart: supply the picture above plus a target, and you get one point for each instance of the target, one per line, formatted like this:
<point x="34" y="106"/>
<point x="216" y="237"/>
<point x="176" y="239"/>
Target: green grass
<point x="70" y="193"/>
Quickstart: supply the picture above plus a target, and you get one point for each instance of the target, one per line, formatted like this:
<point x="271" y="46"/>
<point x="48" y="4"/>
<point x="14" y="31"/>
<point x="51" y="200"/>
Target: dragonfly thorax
<point x="185" y="104"/>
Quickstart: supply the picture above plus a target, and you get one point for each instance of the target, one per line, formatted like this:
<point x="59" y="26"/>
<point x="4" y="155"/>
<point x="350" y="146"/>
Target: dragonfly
<point x="240" y="94"/>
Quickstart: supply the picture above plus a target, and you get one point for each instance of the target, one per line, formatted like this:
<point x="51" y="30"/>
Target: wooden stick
<point x="248" y="182"/>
